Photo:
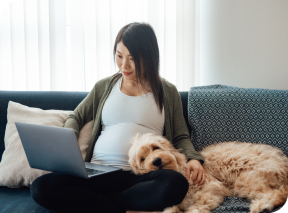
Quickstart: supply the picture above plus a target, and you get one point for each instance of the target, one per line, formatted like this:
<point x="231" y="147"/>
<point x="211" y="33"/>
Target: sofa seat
<point x="19" y="200"/>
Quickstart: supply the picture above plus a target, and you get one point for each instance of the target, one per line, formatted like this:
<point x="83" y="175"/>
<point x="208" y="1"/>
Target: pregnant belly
<point x="116" y="140"/>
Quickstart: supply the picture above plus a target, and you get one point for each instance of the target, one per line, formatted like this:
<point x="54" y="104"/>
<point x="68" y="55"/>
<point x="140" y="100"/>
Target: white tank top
<point x="122" y="117"/>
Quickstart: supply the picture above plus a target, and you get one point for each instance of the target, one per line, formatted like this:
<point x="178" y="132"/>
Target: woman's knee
<point x="39" y="188"/>
<point x="175" y="188"/>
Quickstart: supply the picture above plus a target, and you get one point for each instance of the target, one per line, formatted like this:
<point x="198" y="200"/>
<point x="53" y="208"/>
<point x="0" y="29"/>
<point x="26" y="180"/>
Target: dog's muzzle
<point x="157" y="162"/>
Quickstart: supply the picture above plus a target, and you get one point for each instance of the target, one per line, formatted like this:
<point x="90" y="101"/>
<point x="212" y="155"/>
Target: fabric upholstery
<point x="19" y="201"/>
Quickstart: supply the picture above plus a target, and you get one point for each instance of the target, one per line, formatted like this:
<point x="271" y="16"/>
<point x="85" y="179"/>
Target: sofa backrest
<point x="49" y="100"/>
<point x="220" y="113"/>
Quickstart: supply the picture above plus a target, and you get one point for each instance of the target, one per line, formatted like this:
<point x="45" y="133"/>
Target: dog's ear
<point x="181" y="158"/>
<point x="135" y="138"/>
<point x="134" y="166"/>
<point x="166" y="144"/>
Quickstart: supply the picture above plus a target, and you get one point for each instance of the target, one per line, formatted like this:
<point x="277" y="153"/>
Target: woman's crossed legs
<point x="110" y="193"/>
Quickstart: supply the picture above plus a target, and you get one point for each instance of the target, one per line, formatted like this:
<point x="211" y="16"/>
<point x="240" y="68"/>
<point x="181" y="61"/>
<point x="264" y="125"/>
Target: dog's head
<point x="150" y="152"/>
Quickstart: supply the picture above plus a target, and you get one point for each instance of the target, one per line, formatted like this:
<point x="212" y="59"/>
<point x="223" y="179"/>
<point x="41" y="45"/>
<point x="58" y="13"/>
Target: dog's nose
<point x="157" y="162"/>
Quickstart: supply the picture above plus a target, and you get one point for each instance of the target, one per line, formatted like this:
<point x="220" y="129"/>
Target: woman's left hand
<point x="199" y="175"/>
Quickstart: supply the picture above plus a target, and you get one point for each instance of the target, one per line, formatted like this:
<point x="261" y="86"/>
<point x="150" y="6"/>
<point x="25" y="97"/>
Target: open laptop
<point x="56" y="149"/>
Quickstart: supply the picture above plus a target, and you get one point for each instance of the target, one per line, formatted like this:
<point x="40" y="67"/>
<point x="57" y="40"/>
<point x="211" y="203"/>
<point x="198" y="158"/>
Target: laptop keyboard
<point x="93" y="171"/>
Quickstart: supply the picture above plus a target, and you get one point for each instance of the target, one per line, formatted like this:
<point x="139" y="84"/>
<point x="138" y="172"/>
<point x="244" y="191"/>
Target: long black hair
<point x="141" y="41"/>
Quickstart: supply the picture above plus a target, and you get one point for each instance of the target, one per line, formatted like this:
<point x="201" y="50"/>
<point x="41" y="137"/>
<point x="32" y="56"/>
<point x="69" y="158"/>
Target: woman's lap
<point x="149" y="192"/>
<point x="106" y="183"/>
<point x="153" y="191"/>
<point x="65" y="193"/>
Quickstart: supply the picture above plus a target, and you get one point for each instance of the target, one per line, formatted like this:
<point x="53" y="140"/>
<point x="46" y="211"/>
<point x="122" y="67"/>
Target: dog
<point x="255" y="171"/>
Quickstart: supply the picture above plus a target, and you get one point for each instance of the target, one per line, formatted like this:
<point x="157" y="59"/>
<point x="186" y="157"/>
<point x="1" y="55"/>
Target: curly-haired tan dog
<point x="255" y="171"/>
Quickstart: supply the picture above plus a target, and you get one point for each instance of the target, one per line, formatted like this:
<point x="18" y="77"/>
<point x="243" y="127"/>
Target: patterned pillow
<point x="219" y="113"/>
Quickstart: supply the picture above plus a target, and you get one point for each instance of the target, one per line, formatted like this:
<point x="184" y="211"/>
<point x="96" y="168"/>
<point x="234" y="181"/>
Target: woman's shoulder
<point x="168" y="85"/>
<point x="101" y="86"/>
<point x="103" y="83"/>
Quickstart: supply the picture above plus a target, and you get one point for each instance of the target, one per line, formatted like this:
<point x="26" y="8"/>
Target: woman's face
<point x="125" y="62"/>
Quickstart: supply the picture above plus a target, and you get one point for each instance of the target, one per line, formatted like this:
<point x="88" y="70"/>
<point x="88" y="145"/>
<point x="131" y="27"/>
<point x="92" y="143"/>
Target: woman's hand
<point x="199" y="175"/>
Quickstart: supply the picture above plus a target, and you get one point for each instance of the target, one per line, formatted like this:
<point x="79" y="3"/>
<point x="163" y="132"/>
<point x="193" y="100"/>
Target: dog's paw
<point x="197" y="210"/>
<point x="268" y="208"/>
<point x="193" y="211"/>
<point x="173" y="209"/>
<point x="266" y="211"/>
<point x="259" y="206"/>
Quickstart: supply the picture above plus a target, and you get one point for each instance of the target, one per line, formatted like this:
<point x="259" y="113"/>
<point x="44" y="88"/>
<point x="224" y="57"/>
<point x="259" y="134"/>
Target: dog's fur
<point x="255" y="171"/>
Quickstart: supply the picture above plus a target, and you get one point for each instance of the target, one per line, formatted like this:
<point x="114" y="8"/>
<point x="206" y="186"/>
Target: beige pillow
<point x="15" y="171"/>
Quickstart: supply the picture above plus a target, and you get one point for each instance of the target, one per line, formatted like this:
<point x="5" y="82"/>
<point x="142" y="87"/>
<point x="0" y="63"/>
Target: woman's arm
<point x="180" y="136"/>
<point x="82" y="114"/>
<point x="181" y="140"/>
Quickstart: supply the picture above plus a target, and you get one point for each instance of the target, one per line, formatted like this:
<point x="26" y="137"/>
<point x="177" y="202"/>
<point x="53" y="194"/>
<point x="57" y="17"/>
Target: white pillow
<point x="15" y="171"/>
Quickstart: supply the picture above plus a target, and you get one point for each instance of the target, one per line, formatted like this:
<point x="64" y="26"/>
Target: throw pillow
<point x="15" y="171"/>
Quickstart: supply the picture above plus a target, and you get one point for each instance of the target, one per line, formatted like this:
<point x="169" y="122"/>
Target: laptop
<point x="56" y="149"/>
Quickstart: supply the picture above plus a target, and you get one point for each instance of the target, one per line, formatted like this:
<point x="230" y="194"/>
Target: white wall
<point x="244" y="43"/>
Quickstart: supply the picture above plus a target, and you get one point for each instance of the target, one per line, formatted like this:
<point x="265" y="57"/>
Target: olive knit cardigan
<point x="175" y="128"/>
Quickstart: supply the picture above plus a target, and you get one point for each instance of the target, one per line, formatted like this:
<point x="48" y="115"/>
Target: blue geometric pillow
<point x="220" y="113"/>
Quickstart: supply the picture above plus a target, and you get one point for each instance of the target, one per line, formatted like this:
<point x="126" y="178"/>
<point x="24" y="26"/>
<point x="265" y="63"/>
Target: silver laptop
<point x="56" y="149"/>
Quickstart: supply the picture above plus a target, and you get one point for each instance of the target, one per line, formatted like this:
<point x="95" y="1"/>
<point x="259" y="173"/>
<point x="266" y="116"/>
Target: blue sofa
<point x="19" y="200"/>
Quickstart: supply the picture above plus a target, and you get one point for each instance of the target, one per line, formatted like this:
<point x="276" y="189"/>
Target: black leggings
<point x="111" y="192"/>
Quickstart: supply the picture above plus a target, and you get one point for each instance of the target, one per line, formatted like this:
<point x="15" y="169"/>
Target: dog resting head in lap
<point x="255" y="171"/>
<point x="151" y="152"/>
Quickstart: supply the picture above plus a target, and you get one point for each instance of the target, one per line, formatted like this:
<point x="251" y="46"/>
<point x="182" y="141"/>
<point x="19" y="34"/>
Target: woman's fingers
<point x="188" y="173"/>
<point x="207" y="176"/>
<point x="199" y="177"/>
<point x="195" y="175"/>
<point x="204" y="177"/>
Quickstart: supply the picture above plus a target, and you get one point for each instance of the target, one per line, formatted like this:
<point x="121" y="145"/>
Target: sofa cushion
<point x="19" y="200"/>
<point x="14" y="167"/>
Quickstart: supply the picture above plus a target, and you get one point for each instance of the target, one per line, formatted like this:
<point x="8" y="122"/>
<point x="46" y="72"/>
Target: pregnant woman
<point x="135" y="99"/>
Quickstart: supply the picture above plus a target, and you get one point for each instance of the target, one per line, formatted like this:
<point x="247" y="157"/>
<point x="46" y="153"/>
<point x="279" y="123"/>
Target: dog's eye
<point x="142" y="159"/>
<point x="154" y="148"/>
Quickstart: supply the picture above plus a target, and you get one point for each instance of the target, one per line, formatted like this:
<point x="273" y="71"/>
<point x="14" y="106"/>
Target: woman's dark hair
<point x="141" y="41"/>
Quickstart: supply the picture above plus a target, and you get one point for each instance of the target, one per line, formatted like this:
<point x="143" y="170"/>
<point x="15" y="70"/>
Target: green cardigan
<point x="175" y="128"/>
